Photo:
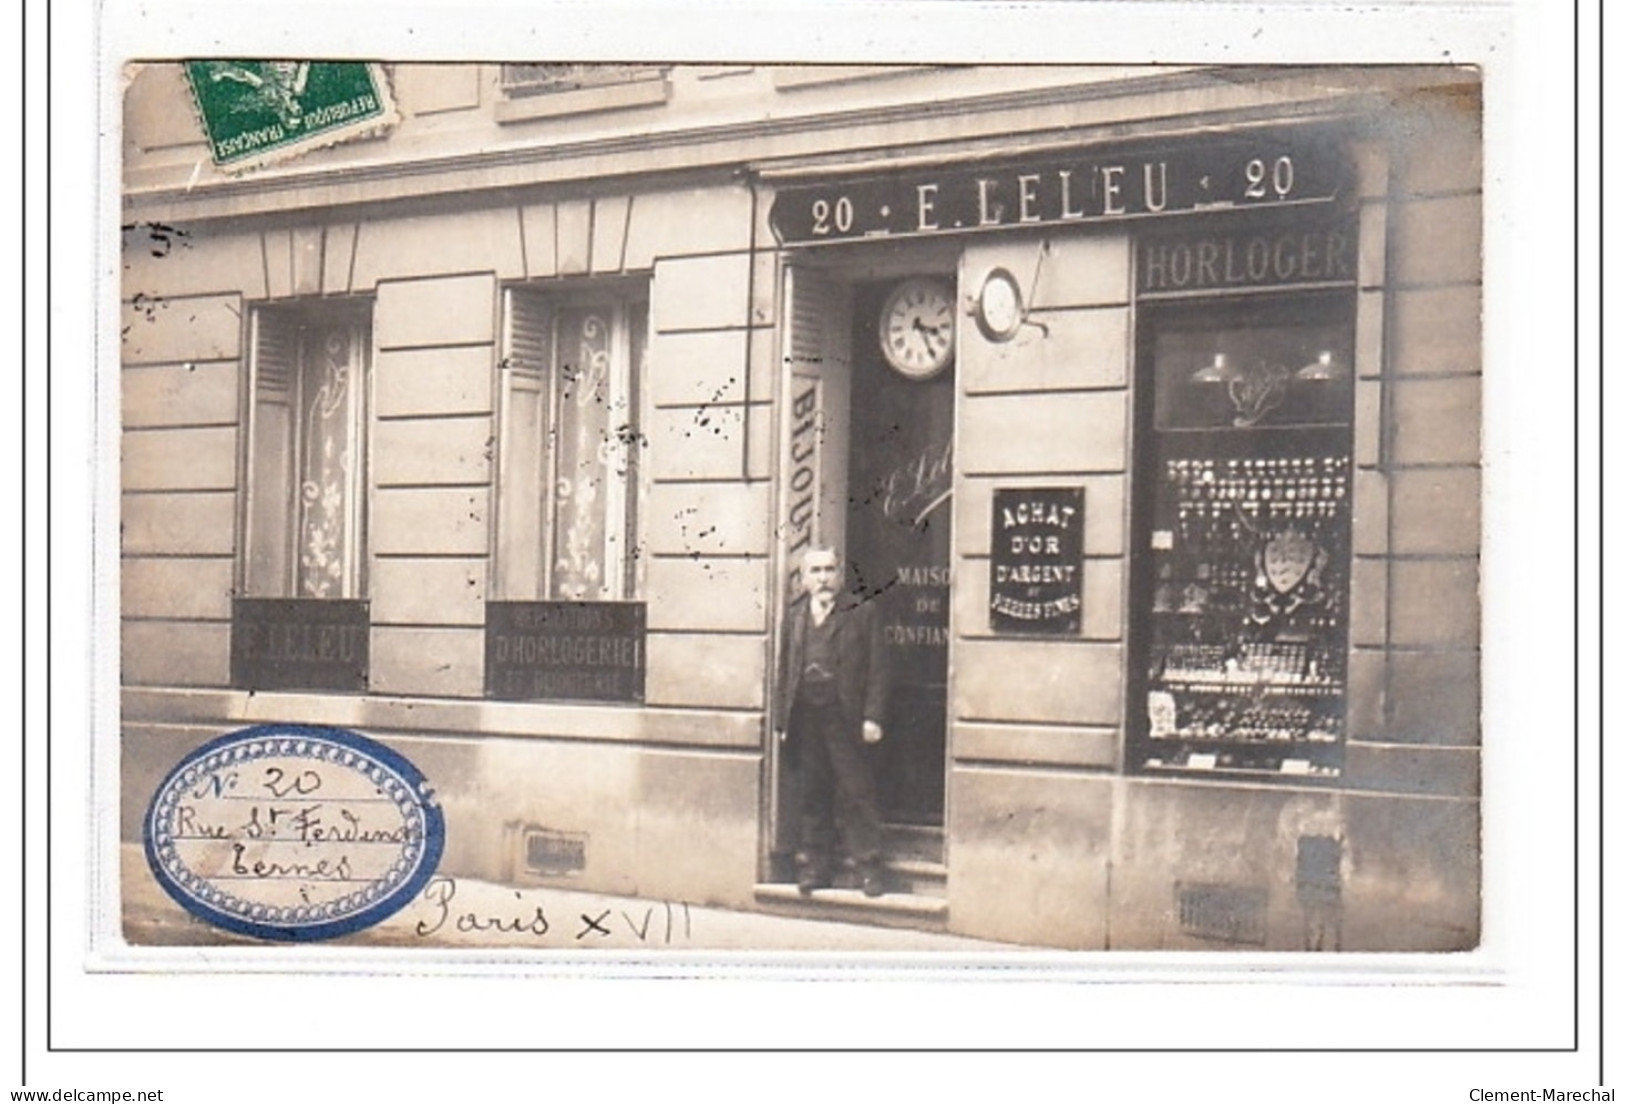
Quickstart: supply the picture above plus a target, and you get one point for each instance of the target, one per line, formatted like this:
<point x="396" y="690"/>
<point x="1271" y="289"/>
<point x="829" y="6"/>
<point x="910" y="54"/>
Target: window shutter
<point x="276" y="352"/>
<point x="268" y="513"/>
<point x="819" y="347"/>
<point x="527" y="355"/>
<point x="528" y="342"/>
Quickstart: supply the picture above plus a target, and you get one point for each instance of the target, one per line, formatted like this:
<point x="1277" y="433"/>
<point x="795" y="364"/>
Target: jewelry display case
<point x="1245" y="511"/>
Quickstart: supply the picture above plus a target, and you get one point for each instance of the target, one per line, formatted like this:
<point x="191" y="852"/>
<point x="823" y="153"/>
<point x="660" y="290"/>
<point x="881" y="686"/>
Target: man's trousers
<point x="837" y="785"/>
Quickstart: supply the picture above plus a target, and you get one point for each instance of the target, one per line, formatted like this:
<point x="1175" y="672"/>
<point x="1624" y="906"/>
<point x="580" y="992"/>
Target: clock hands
<point x="931" y="337"/>
<point x="917" y="327"/>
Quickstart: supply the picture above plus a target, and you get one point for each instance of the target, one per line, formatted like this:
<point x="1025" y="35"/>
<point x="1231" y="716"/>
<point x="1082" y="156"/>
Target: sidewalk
<point x="465" y="913"/>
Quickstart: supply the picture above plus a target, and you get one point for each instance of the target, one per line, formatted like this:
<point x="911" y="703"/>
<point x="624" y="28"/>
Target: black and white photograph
<point x="798" y="506"/>
<point x="761" y="548"/>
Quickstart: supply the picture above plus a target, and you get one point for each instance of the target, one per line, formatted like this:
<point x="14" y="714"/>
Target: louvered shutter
<point x="267" y="571"/>
<point x="526" y="366"/>
<point x="819" y="349"/>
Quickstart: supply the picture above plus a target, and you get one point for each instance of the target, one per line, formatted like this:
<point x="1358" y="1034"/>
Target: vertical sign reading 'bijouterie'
<point x="1037" y="561"/>
<point x="571" y="651"/>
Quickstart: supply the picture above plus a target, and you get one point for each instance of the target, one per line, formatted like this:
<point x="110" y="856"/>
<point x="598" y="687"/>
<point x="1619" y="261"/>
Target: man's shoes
<point x="810" y="875"/>
<point x="810" y="880"/>
<point x="874" y="881"/>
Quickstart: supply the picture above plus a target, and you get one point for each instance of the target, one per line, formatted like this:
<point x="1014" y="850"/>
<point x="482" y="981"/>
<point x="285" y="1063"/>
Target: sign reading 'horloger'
<point x="1205" y="261"/>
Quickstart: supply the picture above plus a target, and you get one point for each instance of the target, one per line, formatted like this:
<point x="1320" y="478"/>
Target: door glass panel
<point x="899" y="522"/>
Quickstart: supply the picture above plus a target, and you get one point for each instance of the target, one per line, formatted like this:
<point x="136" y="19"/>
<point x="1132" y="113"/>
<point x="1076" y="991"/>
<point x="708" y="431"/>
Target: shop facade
<point x="1145" y="402"/>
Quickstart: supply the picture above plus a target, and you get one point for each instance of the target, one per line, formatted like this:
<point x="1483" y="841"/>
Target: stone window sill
<point x="788" y="78"/>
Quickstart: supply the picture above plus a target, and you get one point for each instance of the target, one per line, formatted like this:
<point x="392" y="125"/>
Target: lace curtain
<point x="328" y="416"/>
<point x="585" y="456"/>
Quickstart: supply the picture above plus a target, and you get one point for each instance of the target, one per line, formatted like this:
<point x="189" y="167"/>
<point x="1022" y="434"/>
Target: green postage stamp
<point x="257" y="112"/>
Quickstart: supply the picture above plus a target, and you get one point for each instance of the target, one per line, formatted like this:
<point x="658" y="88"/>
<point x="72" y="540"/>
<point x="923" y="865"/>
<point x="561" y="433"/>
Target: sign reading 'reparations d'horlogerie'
<point x="257" y="112"/>
<point x="565" y="651"/>
<point x="1037" y="561"/>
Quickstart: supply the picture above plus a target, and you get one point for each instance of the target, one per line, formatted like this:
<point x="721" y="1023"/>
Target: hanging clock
<point x="917" y="327"/>
<point x="999" y="310"/>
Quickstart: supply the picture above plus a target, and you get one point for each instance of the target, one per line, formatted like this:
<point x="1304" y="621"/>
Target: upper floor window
<point x="305" y="513"/>
<point x="534" y="79"/>
<point x="534" y="91"/>
<point x="568" y="475"/>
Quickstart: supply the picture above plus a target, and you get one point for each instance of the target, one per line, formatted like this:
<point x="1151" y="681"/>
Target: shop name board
<point x="1036" y="565"/>
<point x="300" y="644"/>
<point x="568" y="651"/>
<point x="1216" y="261"/>
<point x="1096" y="185"/>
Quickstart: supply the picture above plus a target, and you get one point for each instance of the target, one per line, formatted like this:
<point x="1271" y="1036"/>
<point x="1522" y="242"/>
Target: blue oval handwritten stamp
<point x="293" y="832"/>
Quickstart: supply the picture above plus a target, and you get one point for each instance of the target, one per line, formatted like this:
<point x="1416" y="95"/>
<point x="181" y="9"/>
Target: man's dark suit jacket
<point x="860" y="661"/>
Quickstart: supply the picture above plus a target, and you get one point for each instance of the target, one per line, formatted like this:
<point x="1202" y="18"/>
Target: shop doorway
<point x="868" y="462"/>
<point x="899" y="521"/>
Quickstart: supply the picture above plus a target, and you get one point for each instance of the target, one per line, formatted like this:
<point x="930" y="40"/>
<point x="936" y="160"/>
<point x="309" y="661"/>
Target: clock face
<point x="998" y="308"/>
<point x="917" y="327"/>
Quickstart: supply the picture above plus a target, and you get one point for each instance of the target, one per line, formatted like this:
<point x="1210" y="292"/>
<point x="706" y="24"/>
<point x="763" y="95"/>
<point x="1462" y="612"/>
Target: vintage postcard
<point x="1043" y="502"/>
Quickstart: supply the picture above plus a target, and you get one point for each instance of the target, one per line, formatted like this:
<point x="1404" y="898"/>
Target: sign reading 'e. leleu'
<point x="567" y="651"/>
<point x="1036" y="566"/>
<point x="300" y="644"/>
<point x="1104" y="183"/>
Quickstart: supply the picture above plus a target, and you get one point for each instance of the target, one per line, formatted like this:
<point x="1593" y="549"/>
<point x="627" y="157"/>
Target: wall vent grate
<point x="550" y="852"/>
<point x="1227" y="913"/>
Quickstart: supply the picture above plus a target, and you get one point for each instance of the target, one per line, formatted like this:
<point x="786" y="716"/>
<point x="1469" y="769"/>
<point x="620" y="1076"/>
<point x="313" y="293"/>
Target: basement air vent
<point x="1227" y="913"/>
<point x="550" y="852"/>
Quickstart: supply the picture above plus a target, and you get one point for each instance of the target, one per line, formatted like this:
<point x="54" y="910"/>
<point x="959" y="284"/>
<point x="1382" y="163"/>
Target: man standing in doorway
<point x="831" y="701"/>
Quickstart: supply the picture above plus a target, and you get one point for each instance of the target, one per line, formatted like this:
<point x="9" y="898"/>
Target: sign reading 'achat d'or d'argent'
<point x="255" y="112"/>
<point x="565" y="651"/>
<point x="1036" y="565"/>
<point x="1099" y="184"/>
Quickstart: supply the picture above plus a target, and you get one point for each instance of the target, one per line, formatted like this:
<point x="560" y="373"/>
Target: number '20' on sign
<point x="823" y="211"/>
<point x="1263" y="179"/>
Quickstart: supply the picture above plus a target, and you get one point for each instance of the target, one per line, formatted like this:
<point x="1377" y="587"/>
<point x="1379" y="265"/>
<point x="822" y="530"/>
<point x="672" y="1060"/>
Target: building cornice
<point x="784" y="145"/>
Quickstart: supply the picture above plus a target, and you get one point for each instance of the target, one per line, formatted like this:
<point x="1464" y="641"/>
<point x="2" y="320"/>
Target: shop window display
<point x="1245" y="512"/>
